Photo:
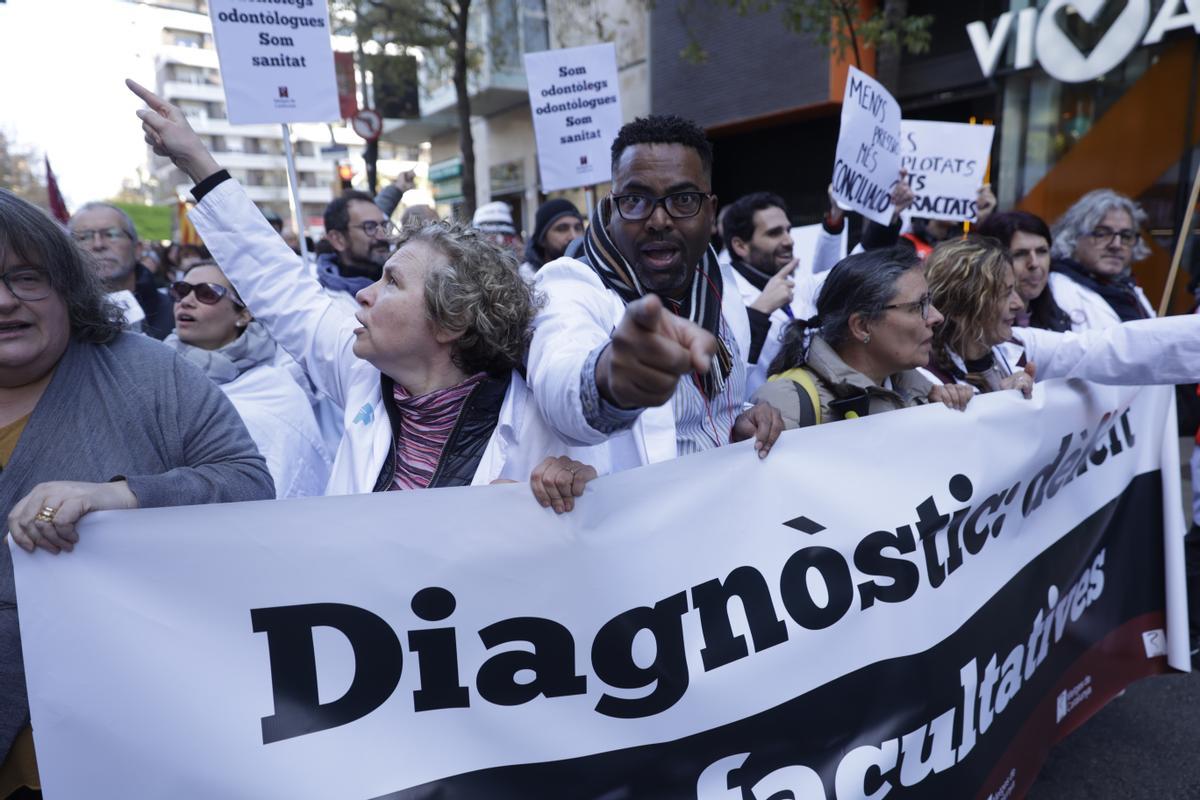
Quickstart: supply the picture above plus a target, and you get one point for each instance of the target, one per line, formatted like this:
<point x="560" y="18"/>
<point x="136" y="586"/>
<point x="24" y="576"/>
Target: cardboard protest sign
<point x="946" y="164"/>
<point x="868" y="149"/>
<point x="575" y="98"/>
<point x="276" y="61"/>
<point x="933" y="642"/>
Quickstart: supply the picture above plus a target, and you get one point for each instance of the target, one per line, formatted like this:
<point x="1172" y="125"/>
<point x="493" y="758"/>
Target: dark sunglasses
<point x="207" y="293"/>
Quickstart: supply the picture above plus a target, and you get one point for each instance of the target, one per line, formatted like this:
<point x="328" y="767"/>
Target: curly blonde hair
<point x="967" y="279"/>
<point x="477" y="292"/>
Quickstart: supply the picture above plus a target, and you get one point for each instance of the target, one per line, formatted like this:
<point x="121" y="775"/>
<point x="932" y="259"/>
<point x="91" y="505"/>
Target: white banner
<point x="946" y="163"/>
<point x="353" y="647"/>
<point x="276" y="60"/>
<point x="868" y="148"/>
<point x="575" y="97"/>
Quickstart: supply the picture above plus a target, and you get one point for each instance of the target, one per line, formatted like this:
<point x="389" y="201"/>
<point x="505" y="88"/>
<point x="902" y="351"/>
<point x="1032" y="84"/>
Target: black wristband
<point x="208" y="184"/>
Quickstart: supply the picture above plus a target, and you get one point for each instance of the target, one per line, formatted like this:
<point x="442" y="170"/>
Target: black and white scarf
<point x="702" y="304"/>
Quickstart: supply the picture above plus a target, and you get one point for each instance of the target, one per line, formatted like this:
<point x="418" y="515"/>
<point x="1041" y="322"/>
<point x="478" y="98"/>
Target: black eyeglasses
<point x="108" y="234"/>
<point x="638" y="207"/>
<point x="921" y="306"/>
<point x="207" y="293"/>
<point x="1103" y="236"/>
<point x="384" y="229"/>
<point x="27" y="283"/>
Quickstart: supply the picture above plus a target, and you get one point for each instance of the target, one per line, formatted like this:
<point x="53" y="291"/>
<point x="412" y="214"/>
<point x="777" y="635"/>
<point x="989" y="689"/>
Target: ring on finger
<point x="46" y="514"/>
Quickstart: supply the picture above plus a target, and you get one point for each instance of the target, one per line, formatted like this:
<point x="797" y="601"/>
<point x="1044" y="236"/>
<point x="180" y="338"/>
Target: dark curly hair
<point x="478" y="292"/>
<point x="34" y="238"/>
<point x="664" y="129"/>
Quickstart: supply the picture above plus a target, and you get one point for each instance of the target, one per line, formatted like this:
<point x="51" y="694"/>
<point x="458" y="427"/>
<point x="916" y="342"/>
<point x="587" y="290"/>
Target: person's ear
<point x="244" y="318"/>
<point x="339" y="239"/>
<point x="739" y="248"/>
<point x="859" y="330"/>
<point x="445" y="336"/>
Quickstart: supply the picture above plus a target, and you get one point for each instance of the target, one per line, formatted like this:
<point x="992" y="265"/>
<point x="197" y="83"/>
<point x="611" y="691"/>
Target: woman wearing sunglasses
<point x="427" y="370"/>
<point x="973" y="284"/>
<point x="215" y="331"/>
<point x="859" y="355"/>
<point x="91" y="418"/>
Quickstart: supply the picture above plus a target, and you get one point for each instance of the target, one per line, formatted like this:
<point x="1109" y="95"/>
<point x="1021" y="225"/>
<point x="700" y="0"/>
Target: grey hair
<point x="126" y="220"/>
<point x="1083" y="217"/>
<point x="477" y="292"/>
<point x="27" y="233"/>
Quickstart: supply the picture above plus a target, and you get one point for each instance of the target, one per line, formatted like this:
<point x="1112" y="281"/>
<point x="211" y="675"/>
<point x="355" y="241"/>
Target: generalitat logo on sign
<point x="1041" y="32"/>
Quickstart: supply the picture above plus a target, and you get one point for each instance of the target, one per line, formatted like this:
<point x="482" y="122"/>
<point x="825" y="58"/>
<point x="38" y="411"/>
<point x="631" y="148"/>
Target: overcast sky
<point x="63" y="62"/>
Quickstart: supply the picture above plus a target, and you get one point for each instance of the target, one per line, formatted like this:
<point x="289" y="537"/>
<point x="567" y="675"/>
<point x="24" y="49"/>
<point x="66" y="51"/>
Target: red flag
<point x="58" y="206"/>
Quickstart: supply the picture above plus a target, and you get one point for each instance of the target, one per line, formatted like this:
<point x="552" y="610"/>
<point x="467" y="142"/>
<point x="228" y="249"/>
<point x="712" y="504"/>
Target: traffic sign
<point x="368" y="124"/>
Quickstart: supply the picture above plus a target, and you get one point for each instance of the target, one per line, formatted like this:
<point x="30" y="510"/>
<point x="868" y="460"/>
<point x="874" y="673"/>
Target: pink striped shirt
<point x="425" y="426"/>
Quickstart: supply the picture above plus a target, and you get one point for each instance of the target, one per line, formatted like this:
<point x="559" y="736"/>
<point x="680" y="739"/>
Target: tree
<point x="844" y="26"/>
<point x="439" y="28"/>
<point x="17" y="175"/>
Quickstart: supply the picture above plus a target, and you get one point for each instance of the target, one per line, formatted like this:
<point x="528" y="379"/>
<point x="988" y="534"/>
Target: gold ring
<point x="46" y="514"/>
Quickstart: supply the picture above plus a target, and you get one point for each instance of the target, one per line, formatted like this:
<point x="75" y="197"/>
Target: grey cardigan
<point x="131" y="408"/>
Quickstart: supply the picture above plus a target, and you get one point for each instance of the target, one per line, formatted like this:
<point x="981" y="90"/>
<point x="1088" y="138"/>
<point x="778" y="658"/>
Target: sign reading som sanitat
<point x="933" y="642"/>
<point x="276" y="60"/>
<point x="575" y="98"/>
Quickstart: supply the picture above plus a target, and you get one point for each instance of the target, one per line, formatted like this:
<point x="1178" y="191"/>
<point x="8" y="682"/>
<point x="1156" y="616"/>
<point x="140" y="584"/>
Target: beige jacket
<point x="844" y="393"/>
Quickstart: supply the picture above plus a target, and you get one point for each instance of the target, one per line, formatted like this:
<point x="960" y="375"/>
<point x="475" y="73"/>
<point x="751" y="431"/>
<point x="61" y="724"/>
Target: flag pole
<point x="1185" y="233"/>
<point x="297" y="209"/>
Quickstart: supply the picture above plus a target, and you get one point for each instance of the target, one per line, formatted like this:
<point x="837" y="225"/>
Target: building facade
<point x="187" y="74"/>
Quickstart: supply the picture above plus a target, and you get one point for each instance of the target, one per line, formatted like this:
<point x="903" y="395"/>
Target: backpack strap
<point x="806" y="391"/>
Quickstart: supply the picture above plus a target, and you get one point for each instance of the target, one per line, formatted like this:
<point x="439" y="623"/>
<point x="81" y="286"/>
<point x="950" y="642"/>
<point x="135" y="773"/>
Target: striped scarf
<point x="702" y="304"/>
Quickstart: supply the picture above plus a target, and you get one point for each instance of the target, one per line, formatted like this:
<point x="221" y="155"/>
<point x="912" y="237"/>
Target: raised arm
<point x="271" y="278"/>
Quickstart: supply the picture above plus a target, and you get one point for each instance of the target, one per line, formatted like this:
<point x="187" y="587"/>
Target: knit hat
<point x="551" y="212"/>
<point x="494" y="218"/>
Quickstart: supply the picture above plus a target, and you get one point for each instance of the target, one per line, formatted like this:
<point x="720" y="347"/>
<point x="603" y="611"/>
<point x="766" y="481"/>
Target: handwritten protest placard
<point x="575" y="98"/>
<point x="946" y="163"/>
<point x="276" y="61"/>
<point x="868" y="149"/>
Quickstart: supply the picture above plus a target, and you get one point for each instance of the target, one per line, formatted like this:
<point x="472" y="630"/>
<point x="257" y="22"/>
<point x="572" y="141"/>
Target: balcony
<point x="173" y="91"/>
<point x="501" y="32"/>
<point x="191" y="56"/>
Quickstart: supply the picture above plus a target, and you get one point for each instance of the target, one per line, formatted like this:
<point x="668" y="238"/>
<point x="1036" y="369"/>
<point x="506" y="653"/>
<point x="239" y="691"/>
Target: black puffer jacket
<point x="470" y="437"/>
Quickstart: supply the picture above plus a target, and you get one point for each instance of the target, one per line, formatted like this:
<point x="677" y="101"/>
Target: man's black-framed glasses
<point x="679" y="205"/>
<point x="1104" y="235"/>
<point x="27" y="283"/>
<point x="378" y="230"/>
<point x="921" y="306"/>
<point x="83" y="236"/>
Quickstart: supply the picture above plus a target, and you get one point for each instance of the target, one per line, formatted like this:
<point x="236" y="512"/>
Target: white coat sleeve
<point x="277" y="288"/>
<point x="1142" y="352"/>
<point x="575" y="319"/>
<point x="829" y="249"/>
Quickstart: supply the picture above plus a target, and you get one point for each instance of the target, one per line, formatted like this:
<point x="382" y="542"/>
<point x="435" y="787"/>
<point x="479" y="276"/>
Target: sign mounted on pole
<point x="368" y="124"/>
<point x="276" y="61"/>
<point x="575" y="98"/>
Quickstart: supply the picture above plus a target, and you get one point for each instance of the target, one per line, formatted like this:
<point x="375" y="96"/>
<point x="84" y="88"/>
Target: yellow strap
<point x="800" y="375"/>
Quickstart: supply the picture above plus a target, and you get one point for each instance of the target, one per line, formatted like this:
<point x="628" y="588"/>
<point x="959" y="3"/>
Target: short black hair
<point x="337" y="213"/>
<point x="1002" y="225"/>
<point x="664" y="129"/>
<point x="739" y="215"/>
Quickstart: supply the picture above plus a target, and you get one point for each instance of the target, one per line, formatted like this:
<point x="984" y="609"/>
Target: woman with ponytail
<point x="859" y="355"/>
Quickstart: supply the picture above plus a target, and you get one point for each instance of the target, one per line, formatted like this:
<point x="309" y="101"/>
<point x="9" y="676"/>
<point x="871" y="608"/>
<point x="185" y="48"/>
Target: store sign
<point x="1040" y="33"/>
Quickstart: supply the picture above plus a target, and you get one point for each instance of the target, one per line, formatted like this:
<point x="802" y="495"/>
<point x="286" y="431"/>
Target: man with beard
<point x="757" y="232"/>
<point x="108" y="234"/>
<point x="361" y="238"/>
<point x="637" y="354"/>
<point x="556" y="224"/>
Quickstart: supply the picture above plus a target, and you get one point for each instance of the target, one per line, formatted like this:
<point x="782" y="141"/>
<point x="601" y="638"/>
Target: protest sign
<point x="276" y="61"/>
<point x="913" y="618"/>
<point x="575" y="97"/>
<point x="946" y="164"/>
<point x="868" y="148"/>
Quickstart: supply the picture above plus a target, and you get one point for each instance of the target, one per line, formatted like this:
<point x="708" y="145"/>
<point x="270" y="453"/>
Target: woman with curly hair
<point x="973" y="284"/>
<point x="424" y="368"/>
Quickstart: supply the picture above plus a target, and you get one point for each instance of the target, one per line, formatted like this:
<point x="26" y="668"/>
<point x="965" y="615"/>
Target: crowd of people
<point x="431" y="353"/>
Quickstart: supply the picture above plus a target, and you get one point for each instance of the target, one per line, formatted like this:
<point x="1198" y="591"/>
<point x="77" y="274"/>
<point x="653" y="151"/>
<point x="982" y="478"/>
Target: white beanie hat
<point x="494" y="218"/>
